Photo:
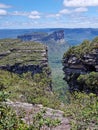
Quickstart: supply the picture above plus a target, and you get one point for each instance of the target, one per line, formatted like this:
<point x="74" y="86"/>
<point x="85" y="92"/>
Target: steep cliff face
<point x="81" y="66"/>
<point x="20" y="57"/>
<point x="24" y="70"/>
<point x="56" y="36"/>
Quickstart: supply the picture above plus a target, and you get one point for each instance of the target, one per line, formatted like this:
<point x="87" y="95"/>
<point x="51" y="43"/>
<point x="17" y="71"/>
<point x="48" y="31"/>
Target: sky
<point x="22" y="14"/>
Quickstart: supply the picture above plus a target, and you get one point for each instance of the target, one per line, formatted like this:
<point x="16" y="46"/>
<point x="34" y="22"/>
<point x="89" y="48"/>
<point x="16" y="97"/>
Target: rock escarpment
<point x="21" y="57"/>
<point x="81" y="66"/>
<point x="56" y="36"/>
<point x="25" y="61"/>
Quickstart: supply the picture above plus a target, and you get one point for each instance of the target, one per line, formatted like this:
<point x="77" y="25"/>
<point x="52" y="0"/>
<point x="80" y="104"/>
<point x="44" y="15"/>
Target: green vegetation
<point x="87" y="81"/>
<point x="84" y="48"/>
<point x="39" y="121"/>
<point x="30" y="89"/>
<point x="10" y="121"/>
<point x="59" y="85"/>
<point x="90" y="81"/>
<point x="15" y="51"/>
<point x="8" y="118"/>
<point x="55" y="53"/>
<point x="82" y="110"/>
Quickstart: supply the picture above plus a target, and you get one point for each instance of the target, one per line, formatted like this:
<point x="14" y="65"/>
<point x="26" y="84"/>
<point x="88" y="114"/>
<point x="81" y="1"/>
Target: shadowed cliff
<point x="81" y="66"/>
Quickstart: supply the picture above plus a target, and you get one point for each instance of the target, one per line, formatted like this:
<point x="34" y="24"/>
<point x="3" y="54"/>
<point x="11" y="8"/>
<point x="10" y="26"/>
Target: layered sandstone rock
<point x="81" y="60"/>
<point x="21" y="57"/>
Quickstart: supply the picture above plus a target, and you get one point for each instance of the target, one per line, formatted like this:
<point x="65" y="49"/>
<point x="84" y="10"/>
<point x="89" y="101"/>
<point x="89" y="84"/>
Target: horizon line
<point x="47" y="28"/>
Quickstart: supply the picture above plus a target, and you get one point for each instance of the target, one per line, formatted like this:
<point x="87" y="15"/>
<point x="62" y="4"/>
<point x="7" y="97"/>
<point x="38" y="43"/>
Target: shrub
<point x="40" y="121"/>
<point x="8" y="118"/>
<point x="89" y="80"/>
<point x="85" y="47"/>
<point x="82" y="111"/>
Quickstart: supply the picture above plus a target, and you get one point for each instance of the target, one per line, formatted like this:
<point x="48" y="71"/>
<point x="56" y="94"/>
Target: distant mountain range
<point x="44" y="37"/>
<point x="72" y="36"/>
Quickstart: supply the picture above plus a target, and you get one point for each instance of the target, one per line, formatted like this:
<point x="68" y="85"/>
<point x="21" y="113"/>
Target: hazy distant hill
<point x="77" y="35"/>
<point x="72" y="36"/>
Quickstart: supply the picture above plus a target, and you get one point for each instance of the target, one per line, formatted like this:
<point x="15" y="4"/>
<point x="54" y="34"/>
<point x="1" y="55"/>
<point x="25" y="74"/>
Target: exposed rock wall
<point x="76" y="63"/>
<point x="20" y="57"/>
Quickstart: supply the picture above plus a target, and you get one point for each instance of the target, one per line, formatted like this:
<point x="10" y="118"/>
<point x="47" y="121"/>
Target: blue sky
<point x="48" y="14"/>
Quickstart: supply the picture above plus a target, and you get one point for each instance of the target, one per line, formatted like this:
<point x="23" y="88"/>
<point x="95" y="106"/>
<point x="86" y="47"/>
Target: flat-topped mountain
<point x="81" y="66"/>
<point x="35" y="36"/>
<point x="56" y="36"/>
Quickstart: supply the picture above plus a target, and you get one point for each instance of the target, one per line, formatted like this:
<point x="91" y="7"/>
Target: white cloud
<point x="53" y="15"/>
<point x="18" y="13"/>
<point x="76" y="21"/>
<point x="4" y="6"/>
<point x="31" y="15"/>
<point x="34" y="15"/>
<point x="81" y="9"/>
<point x="80" y="3"/>
<point x="76" y="10"/>
<point x="65" y="11"/>
<point x="3" y="12"/>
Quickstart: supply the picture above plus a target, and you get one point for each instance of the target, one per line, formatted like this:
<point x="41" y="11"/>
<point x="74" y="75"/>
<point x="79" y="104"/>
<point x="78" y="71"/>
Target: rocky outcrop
<point x="20" y="57"/>
<point x="81" y="60"/>
<point x="31" y="110"/>
<point x="56" y="36"/>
